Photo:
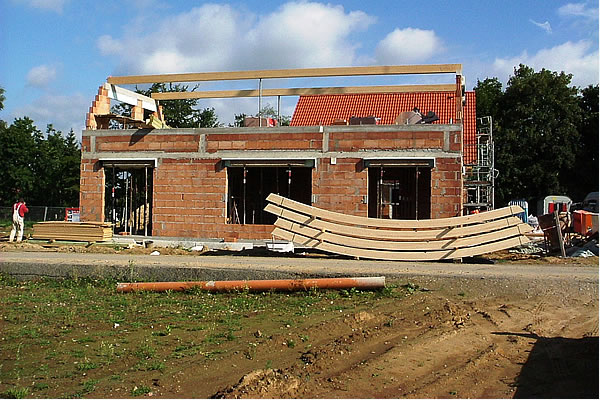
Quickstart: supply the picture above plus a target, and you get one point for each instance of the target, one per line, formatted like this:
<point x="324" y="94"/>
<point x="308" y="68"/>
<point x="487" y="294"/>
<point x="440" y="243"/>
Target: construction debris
<point x="76" y="231"/>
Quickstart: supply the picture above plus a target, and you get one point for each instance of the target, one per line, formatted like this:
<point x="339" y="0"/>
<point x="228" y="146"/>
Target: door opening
<point x="128" y="199"/>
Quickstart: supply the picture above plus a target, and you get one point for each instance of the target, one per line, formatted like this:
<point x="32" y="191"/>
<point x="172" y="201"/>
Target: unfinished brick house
<point x="348" y="150"/>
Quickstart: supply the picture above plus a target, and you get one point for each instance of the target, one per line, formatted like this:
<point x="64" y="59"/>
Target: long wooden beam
<point x="446" y="254"/>
<point x="438" y="223"/>
<point x="374" y="232"/>
<point x="303" y="91"/>
<point x="288" y="73"/>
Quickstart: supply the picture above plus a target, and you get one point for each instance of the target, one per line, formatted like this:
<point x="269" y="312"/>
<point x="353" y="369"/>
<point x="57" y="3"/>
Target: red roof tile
<point x="325" y="109"/>
<point x="469" y="129"/>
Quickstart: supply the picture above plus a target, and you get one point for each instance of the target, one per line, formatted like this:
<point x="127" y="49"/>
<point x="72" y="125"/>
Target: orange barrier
<point x="258" y="285"/>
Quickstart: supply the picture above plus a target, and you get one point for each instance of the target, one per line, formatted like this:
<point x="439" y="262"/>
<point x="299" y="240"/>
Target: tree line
<point x="43" y="168"/>
<point x="545" y="135"/>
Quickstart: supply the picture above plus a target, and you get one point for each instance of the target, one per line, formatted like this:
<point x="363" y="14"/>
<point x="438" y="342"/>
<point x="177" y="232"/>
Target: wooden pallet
<point x="400" y="240"/>
<point x="76" y="231"/>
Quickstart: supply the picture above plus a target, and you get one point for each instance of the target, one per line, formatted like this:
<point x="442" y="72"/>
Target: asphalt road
<point x="28" y="264"/>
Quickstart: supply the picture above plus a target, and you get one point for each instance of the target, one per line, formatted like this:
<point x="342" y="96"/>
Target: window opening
<point x="249" y="186"/>
<point x="399" y="192"/>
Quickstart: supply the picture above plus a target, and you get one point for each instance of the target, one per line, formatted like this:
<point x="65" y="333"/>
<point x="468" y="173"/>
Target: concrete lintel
<point x="274" y="154"/>
<point x="281" y="129"/>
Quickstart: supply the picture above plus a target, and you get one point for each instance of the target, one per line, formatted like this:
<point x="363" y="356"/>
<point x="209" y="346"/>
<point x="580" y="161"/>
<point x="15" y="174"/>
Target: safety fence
<point x="36" y="213"/>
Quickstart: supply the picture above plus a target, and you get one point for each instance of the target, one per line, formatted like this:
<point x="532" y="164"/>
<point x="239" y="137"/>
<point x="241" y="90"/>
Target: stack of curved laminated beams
<point x="400" y="240"/>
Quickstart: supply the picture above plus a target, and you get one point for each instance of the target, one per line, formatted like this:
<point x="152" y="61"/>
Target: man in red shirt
<point x="19" y="211"/>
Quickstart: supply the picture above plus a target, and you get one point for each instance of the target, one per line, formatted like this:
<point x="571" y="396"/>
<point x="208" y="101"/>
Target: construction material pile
<point x="77" y="231"/>
<point x="399" y="240"/>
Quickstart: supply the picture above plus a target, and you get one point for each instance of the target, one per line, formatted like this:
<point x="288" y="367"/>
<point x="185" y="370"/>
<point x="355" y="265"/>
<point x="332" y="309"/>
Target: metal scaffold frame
<point x="480" y="175"/>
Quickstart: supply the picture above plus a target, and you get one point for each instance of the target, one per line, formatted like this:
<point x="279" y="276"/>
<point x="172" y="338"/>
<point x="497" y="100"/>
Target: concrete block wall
<point x="190" y="187"/>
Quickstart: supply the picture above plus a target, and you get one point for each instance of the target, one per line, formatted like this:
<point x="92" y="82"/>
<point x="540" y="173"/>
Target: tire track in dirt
<point x="434" y="346"/>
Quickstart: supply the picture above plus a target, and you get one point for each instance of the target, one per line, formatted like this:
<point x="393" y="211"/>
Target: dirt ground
<point x="459" y="339"/>
<point x="452" y="337"/>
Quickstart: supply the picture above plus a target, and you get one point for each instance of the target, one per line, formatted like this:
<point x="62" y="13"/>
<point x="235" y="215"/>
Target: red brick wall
<point x="91" y="191"/>
<point x="341" y="186"/>
<point x="446" y="188"/>
<point x="148" y="142"/>
<point x="189" y="198"/>
<point x="355" y="141"/>
<point x="264" y="141"/>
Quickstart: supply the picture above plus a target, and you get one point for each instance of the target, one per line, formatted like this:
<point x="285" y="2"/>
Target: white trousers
<point x="17" y="229"/>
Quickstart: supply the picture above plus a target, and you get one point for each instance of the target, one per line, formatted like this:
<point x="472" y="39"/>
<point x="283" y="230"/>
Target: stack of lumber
<point x="77" y="231"/>
<point x="400" y="240"/>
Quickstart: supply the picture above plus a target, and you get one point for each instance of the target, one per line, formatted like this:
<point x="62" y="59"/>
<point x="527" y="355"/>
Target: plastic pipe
<point x="258" y="285"/>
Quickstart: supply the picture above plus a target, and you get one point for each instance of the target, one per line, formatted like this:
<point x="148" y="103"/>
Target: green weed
<point x="145" y="351"/>
<point x="86" y="365"/>
<point x="140" y="390"/>
<point x="16" y="392"/>
<point x="40" y="386"/>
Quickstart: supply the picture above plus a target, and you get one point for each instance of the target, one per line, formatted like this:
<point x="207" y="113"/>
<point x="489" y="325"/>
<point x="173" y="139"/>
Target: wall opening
<point x="400" y="192"/>
<point x="128" y="198"/>
<point x="248" y="188"/>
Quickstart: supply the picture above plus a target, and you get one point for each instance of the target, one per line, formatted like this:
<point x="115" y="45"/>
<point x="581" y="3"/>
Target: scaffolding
<point x="480" y="175"/>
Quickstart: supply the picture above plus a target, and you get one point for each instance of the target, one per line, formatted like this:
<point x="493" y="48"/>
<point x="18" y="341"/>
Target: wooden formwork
<point x="400" y="240"/>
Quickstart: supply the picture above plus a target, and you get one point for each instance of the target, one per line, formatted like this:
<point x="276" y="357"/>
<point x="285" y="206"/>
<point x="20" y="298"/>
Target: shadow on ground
<point x="559" y="368"/>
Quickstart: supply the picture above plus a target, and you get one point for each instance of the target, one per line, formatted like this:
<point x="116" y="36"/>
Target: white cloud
<point x="50" y="5"/>
<point x="407" y="45"/>
<point x="41" y="75"/>
<point x="108" y="45"/>
<point x="544" y="25"/>
<point x="216" y="37"/>
<point x="578" y="10"/>
<point x="579" y="59"/>
<point x="305" y="35"/>
<point x="64" y="112"/>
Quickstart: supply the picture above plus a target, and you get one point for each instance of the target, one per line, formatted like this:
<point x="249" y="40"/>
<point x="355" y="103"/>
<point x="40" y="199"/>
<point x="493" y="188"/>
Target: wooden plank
<point x="402" y="256"/>
<point x="288" y="73"/>
<point x="80" y="231"/>
<point x="303" y="91"/>
<point x="446" y="244"/>
<point x="393" y="223"/>
<point x="383" y="234"/>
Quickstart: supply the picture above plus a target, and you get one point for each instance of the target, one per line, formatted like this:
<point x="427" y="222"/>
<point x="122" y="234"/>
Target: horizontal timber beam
<point x="289" y="73"/>
<point x="302" y="91"/>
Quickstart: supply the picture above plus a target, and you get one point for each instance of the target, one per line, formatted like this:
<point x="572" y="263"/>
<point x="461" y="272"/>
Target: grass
<point x="73" y="337"/>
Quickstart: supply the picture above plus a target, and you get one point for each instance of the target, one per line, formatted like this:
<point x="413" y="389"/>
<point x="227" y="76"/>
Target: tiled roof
<point x="469" y="129"/>
<point x="325" y="109"/>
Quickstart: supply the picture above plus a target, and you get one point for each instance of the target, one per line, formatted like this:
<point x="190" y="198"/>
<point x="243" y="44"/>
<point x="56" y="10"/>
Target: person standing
<point x="19" y="211"/>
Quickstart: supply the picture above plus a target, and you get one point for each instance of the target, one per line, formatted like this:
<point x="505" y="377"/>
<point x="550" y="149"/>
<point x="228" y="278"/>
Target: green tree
<point x="269" y="112"/>
<point x="239" y="120"/>
<point x="488" y="93"/>
<point x="183" y="113"/>
<point x="58" y="171"/>
<point x="2" y="98"/>
<point x="537" y="137"/>
<point x="583" y="178"/>
<point x="17" y="146"/>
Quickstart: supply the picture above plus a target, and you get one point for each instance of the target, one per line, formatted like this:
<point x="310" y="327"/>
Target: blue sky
<point x="56" y="53"/>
